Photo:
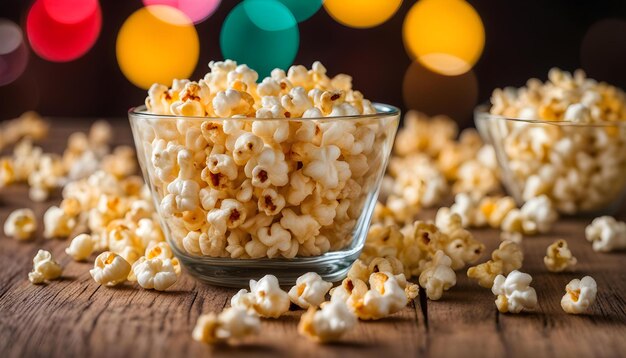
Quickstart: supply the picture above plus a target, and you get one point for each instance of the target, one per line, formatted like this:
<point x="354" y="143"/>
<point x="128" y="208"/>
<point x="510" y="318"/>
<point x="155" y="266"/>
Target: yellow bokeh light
<point x="157" y="44"/>
<point x="446" y="36"/>
<point x="361" y="13"/>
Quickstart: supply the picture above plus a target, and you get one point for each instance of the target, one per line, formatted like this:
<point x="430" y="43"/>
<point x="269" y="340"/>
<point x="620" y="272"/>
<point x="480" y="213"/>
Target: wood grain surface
<point x="75" y="317"/>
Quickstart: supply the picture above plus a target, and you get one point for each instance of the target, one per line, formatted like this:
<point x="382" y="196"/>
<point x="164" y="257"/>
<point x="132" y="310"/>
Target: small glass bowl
<point x="342" y="213"/>
<point x="580" y="167"/>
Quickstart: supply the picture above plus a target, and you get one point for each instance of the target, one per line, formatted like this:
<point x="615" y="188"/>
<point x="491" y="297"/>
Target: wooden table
<point x="75" y="317"/>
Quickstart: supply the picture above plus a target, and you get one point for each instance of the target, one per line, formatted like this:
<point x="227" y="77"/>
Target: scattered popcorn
<point x="606" y="234"/>
<point x="81" y="247"/>
<point x="327" y="324"/>
<point x="20" y="224"/>
<point x="559" y="257"/>
<point x="514" y="293"/>
<point x="385" y="297"/>
<point x="56" y="223"/>
<point x="580" y="294"/>
<point x="155" y="273"/>
<point x="437" y="276"/>
<point x="110" y="269"/>
<point x="506" y="258"/>
<point x="266" y="298"/>
<point x="27" y="125"/>
<point x="231" y="324"/>
<point x="310" y="290"/>
<point x="44" y="268"/>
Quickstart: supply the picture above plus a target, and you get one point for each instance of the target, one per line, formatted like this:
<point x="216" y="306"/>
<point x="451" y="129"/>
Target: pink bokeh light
<point x="197" y="10"/>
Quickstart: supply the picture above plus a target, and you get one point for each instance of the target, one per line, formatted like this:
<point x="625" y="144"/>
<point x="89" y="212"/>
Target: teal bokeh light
<point x="303" y="9"/>
<point x="262" y="34"/>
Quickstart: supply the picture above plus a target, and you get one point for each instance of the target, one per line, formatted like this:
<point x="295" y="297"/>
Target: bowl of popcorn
<point x="274" y="177"/>
<point x="564" y="138"/>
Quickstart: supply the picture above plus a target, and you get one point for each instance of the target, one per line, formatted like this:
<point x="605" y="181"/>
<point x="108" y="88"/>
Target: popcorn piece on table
<point x="154" y="273"/>
<point x="559" y="257"/>
<point x="328" y="324"/>
<point x="266" y="298"/>
<point x="231" y="324"/>
<point x="110" y="269"/>
<point x="20" y="224"/>
<point x="580" y="294"/>
<point x="606" y="234"/>
<point x="44" y="268"/>
<point x="310" y="290"/>
<point x="514" y="293"/>
<point x="57" y="224"/>
<point x="437" y="276"/>
<point x="506" y="258"/>
<point x="81" y="247"/>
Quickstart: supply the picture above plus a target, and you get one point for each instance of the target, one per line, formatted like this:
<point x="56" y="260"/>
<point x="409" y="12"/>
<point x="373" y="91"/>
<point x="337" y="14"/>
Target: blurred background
<point x="89" y="58"/>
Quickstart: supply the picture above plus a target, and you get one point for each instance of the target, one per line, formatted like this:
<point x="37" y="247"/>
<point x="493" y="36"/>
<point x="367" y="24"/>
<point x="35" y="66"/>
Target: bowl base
<point x="330" y="268"/>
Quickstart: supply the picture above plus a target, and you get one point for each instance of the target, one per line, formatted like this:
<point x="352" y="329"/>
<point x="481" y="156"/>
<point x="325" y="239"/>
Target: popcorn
<point x="506" y="258"/>
<point x="437" y="276"/>
<point x="155" y="273"/>
<point x="559" y="257"/>
<point x="20" y="224"/>
<point x="44" y="268"/>
<point x="569" y="164"/>
<point x="231" y="324"/>
<point x="580" y="294"/>
<point x="538" y="215"/>
<point x="606" y="234"/>
<point x="57" y="224"/>
<point x="110" y="269"/>
<point x="385" y="297"/>
<point x="310" y="290"/>
<point x="268" y="186"/>
<point x="327" y="324"/>
<point x="514" y="293"/>
<point x="265" y="298"/>
<point x="81" y="247"/>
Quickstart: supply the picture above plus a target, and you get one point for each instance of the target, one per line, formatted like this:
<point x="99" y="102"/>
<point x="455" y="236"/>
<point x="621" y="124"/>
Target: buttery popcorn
<point x="231" y="324"/>
<point x="81" y="247"/>
<point x="310" y="290"/>
<point x="514" y="293"/>
<point x="266" y="298"/>
<point x="606" y="234"/>
<point x="569" y="162"/>
<point x="20" y="224"/>
<point x="155" y="273"/>
<point x="559" y="257"/>
<point x="437" y="276"/>
<point x="579" y="295"/>
<point x="110" y="269"/>
<point x="328" y="324"/>
<point x="275" y="180"/>
<point x="506" y="258"/>
<point x="44" y="268"/>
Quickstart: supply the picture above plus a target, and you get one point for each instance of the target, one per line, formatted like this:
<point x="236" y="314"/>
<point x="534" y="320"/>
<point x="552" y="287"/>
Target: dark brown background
<point x="523" y="39"/>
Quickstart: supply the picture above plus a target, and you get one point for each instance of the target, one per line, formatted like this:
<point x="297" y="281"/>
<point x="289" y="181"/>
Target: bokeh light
<point x="447" y="36"/>
<point x="196" y="10"/>
<point x="13" y="52"/>
<point x="157" y="44"/>
<point x="303" y="9"/>
<point x="61" y="41"/>
<point x="70" y="11"/>
<point x="361" y="13"/>
<point x="434" y="93"/>
<point x="603" y="51"/>
<point x="262" y="34"/>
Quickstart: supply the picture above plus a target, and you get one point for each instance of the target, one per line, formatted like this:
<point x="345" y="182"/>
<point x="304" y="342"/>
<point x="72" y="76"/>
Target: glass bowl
<point x="239" y="198"/>
<point x="581" y="167"/>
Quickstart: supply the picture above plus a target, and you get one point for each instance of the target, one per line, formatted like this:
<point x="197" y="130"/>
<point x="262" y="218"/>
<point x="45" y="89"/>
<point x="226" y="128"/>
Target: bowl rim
<point x="482" y="112"/>
<point x="382" y="110"/>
